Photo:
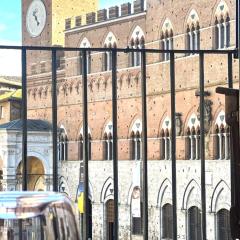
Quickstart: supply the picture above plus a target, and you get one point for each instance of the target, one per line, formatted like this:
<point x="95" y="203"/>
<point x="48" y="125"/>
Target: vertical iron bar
<point x="85" y="145"/>
<point x="237" y="23"/>
<point x="144" y="145"/>
<point x="173" y="144"/>
<point x="230" y="71"/>
<point x="202" y="140"/>
<point x="54" y="120"/>
<point x="115" y="140"/>
<point x="24" y="120"/>
<point x="230" y="85"/>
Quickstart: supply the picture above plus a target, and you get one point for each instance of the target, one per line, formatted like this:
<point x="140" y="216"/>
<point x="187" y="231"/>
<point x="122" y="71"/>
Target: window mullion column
<point x="226" y="146"/>
<point x="219" y="36"/>
<point x="220" y="145"/>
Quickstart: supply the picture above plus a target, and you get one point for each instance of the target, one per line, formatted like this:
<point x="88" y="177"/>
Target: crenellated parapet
<point x="102" y="15"/>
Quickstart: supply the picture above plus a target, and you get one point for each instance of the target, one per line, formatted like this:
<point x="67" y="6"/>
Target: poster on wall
<point x="136" y="203"/>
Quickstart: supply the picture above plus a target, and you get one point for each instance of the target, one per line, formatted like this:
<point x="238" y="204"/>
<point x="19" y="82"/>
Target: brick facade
<point x="153" y="23"/>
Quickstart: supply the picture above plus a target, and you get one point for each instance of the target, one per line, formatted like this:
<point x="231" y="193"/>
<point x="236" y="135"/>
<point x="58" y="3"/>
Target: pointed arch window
<point x="137" y="42"/>
<point x="193" y="37"/>
<point x="223" y="225"/>
<point x="167" y="221"/>
<point x="193" y="32"/>
<point x="222" y="27"/>
<point x="63" y="145"/>
<point x="136" y="212"/>
<point x="222" y="33"/>
<point x="108" y="143"/>
<point x="166" y="42"/>
<point x="110" y="42"/>
<point x="193" y="139"/>
<point x="80" y="147"/>
<point x="165" y="140"/>
<point x="221" y="138"/>
<point x="135" y="141"/>
<point x="194" y="223"/>
<point x="84" y="44"/>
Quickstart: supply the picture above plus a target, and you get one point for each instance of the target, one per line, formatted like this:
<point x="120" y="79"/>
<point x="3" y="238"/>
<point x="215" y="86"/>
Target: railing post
<point x="173" y="144"/>
<point x="115" y="141"/>
<point x="54" y="121"/>
<point x="144" y="145"/>
<point x="24" y="120"/>
<point x="85" y="145"/>
<point x="202" y="144"/>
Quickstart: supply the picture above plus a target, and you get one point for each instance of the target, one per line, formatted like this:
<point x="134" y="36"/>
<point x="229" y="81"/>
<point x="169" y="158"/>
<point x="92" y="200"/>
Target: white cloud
<point x="10" y="60"/>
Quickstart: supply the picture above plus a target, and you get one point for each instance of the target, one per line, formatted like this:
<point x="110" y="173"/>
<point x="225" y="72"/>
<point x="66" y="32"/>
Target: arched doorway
<point x="36" y="174"/>
<point x="110" y="219"/>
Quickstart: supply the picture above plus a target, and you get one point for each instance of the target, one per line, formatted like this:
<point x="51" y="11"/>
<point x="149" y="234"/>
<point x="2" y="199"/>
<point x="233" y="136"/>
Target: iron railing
<point x="114" y="51"/>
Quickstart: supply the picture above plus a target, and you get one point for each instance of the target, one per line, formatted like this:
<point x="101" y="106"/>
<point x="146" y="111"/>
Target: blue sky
<point x="10" y="33"/>
<point x="10" y="18"/>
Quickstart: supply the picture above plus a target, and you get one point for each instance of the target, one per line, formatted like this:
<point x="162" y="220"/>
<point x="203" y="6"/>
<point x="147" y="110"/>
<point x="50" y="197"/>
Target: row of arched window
<point x="193" y="220"/>
<point x="221" y="38"/>
<point x="221" y="141"/>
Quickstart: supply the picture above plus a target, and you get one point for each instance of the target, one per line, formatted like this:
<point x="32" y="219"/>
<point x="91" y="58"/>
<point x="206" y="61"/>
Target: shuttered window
<point x="194" y="224"/>
<point x="223" y="225"/>
<point x="167" y="221"/>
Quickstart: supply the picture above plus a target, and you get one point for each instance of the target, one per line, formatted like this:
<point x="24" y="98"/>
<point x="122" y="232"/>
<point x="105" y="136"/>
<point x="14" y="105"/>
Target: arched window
<point x="137" y="42"/>
<point x="223" y="225"/>
<point x="165" y="140"/>
<point x="108" y="143"/>
<point x="135" y="141"/>
<point x="80" y="147"/>
<point x="193" y="32"/>
<point x="136" y="212"/>
<point x="166" y="39"/>
<point x="110" y="42"/>
<point x="222" y="27"/>
<point x="84" y="44"/>
<point x="63" y="145"/>
<point x="194" y="223"/>
<point x="193" y="139"/>
<point x="221" y="138"/>
<point x="167" y="221"/>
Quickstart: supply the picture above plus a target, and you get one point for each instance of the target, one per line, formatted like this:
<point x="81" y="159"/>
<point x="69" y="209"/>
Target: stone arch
<point x="192" y="18"/>
<point x="110" y="39"/>
<point x="136" y="32"/>
<point x="220" y="9"/>
<point x="85" y="43"/>
<point x="165" y="193"/>
<point x="38" y="155"/>
<point x="134" y="126"/>
<point x="37" y="173"/>
<point x="192" y="111"/>
<point x="191" y="195"/>
<point x="107" y="190"/>
<point x="221" y="197"/>
<point x="167" y="27"/>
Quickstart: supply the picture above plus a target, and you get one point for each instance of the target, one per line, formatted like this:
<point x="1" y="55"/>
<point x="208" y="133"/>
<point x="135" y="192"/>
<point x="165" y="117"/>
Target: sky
<point x="10" y="33"/>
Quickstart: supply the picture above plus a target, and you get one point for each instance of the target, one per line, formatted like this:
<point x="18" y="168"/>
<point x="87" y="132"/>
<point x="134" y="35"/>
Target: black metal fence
<point x="201" y="53"/>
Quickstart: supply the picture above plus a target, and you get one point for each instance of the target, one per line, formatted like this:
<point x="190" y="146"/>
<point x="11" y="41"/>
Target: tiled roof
<point x="32" y="125"/>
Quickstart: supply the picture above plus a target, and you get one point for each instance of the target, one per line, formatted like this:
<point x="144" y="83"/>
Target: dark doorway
<point x="110" y="219"/>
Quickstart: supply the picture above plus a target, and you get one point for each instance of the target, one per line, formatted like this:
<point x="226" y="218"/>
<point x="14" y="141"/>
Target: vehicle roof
<point x="22" y="205"/>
